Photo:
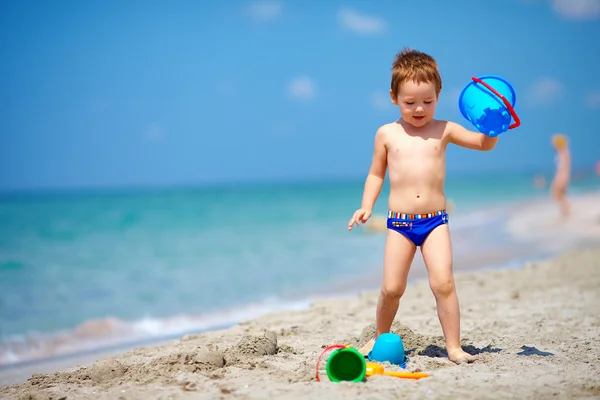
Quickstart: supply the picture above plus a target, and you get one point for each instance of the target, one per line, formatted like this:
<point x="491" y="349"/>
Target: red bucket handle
<point x="333" y="346"/>
<point x="509" y="106"/>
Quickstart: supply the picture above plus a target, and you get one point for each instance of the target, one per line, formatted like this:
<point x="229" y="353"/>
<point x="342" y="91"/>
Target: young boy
<point x="413" y="149"/>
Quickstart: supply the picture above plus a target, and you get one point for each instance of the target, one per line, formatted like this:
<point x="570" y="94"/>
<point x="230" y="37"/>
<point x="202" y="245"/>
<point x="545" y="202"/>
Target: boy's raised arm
<point x="468" y="139"/>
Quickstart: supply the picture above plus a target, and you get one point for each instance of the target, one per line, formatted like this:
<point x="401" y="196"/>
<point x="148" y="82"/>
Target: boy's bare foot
<point x="367" y="347"/>
<point x="459" y="356"/>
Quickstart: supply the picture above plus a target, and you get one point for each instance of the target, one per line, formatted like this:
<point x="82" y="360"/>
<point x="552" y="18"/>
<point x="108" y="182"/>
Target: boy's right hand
<point x="360" y="215"/>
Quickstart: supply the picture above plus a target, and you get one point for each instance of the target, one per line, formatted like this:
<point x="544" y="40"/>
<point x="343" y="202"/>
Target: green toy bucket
<point x="344" y="364"/>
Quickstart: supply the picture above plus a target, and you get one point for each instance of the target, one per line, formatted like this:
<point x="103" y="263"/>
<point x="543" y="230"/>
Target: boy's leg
<point x="437" y="254"/>
<point x="398" y="256"/>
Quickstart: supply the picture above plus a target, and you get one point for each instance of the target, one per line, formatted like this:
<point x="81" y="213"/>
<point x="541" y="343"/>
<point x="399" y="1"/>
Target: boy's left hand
<point x="361" y="215"/>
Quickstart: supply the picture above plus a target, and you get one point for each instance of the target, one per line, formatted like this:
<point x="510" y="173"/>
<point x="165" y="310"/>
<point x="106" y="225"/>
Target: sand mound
<point x="423" y="345"/>
<point x="187" y="357"/>
<point x="413" y="342"/>
<point x="252" y="346"/>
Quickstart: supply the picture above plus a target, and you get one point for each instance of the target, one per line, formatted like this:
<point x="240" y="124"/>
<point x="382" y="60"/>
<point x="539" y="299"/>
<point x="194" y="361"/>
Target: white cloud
<point x="154" y="132"/>
<point x="544" y="91"/>
<point x="592" y="100"/>
<point x="381" y="100"/>
<point x="302" y="88"/>
<point x="360" y="23"/>
<point x="265" y="10"/>
<point x="577" y="9"/>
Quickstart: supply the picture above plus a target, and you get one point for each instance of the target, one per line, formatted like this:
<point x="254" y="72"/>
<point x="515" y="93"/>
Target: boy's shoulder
<point x="389" y="127"/>
<point x="386" y="132"/>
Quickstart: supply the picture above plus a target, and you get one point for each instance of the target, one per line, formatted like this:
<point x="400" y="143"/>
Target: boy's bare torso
<point x="416" y="162"/>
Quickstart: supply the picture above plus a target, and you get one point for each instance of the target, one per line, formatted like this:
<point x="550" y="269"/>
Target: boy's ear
<point x="394" y="98"/>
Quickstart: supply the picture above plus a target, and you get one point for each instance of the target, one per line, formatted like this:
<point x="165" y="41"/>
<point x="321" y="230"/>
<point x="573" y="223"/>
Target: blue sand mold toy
<point x="488" y="103"/>
<point x="388" y="347"/>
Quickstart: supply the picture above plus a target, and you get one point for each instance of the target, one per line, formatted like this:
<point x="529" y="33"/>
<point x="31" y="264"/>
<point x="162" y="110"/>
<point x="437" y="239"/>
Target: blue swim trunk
<point x="416" y="227"/>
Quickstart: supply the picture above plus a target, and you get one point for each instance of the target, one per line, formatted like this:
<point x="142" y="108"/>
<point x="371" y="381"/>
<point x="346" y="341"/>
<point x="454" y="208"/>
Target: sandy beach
<point x="533" y="326"/>
<point x="535" y="331"/>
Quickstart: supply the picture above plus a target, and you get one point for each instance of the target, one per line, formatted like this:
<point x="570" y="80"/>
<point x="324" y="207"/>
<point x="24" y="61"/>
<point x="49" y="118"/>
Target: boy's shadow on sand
<point x="433" y="350"/>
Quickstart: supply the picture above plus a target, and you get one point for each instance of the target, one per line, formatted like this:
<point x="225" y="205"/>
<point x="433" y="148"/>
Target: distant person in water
<point x="560" y="183"/>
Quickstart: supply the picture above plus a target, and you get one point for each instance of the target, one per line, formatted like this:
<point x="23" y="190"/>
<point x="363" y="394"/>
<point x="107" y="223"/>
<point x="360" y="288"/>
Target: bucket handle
<point x="333" y="346"/>
<point x="506" y="102"/>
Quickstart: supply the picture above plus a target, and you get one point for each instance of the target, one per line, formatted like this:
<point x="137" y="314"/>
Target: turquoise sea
<point x="85" y="269"/>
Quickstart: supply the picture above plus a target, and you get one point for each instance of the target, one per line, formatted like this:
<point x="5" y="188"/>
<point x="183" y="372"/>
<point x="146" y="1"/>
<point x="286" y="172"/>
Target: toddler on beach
<point x="413" y="150"/>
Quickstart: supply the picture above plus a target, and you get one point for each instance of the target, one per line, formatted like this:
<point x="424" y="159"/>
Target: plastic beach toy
<point x="347" y="364"/>
<point x="488" y="103"/>
<point x="344" y="364"/>
<point x="388" y="347"/>
<point x="376" y="369"/>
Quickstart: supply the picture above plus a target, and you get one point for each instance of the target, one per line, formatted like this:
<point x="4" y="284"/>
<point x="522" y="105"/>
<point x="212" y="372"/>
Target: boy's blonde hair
<point x="413" y="65"/>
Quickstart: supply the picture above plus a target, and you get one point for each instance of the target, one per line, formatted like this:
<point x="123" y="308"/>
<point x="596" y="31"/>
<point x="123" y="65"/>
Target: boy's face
<point x="417" y="102"/>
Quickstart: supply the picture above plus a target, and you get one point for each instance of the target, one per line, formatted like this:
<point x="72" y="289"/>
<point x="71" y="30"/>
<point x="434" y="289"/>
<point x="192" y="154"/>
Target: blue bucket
<point x="488" y="103"/>
<point x="388" y="347"/>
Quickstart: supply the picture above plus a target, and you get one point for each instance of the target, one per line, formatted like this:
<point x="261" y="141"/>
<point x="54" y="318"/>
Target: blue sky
<point x="118" y="93"/>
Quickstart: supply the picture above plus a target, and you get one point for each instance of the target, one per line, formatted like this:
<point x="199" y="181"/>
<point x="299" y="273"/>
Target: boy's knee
<point x="392" y="291"/>
<point x="442" y="287"/>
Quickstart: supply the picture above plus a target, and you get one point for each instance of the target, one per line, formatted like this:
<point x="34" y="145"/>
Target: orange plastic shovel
<point x="376" y="369"/>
